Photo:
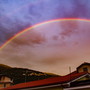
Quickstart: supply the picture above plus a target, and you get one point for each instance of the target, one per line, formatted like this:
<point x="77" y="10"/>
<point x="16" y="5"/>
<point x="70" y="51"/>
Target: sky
<point x="49" y="48"/>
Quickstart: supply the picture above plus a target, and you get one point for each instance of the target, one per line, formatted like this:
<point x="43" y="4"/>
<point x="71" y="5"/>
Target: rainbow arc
<point x="40" y="24"/>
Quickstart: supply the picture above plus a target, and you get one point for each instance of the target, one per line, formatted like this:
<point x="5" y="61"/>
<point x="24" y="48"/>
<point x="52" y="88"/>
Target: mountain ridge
<point x="21" y="75"/>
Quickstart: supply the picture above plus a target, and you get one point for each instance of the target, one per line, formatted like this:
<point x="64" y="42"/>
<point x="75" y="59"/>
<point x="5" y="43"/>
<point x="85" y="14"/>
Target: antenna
<point x="70" y="72"/>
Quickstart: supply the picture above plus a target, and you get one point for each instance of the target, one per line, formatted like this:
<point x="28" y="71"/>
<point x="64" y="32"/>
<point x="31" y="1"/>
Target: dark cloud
<point x="30" y="37"/>
<point x="81" y="8"/>
<point x="70" y="28"/>
<point x="55" y="37"/>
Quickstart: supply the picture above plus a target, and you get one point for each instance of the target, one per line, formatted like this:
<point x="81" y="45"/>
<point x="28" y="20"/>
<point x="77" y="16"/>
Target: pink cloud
<point x="44" y="49"/>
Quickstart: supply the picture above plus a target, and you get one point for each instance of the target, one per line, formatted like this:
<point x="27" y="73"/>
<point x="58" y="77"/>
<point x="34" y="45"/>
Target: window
<point x="85" y="69"/>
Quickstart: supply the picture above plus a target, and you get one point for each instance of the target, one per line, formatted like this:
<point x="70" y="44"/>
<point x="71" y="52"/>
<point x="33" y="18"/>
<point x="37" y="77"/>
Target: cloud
<point x="26" y="13"/>
<point x="30" y="37"/>
<point x="70" y="28"/>
<point x="44" y="49"/>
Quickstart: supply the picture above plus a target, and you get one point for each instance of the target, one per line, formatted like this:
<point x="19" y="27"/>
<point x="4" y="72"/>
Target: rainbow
<point x="40" y="24"/>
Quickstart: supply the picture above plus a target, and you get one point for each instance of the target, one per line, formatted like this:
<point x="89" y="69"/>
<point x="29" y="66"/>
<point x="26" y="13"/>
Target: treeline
<point x="20" y="75"/>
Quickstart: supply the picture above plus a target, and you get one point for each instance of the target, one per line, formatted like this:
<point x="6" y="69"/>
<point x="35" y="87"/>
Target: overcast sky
<point x="16" y="15"/>
<point x="52" y="47"/>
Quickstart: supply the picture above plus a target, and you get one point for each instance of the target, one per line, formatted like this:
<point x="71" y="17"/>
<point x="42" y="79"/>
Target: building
<point x="77" y="80"/>
<point x="84" y="67"/>
<point x="5" y="81"/>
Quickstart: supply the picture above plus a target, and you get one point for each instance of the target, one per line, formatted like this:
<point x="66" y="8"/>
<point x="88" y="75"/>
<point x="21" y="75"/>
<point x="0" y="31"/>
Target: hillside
<point x="20" y="75"/>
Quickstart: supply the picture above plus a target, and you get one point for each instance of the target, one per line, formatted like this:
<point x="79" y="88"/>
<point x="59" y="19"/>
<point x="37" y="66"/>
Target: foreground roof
<point x="48" y="81"/>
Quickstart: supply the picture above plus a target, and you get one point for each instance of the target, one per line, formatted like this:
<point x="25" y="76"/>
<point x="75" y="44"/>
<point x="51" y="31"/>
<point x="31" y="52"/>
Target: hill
<point x="20" y="75"/>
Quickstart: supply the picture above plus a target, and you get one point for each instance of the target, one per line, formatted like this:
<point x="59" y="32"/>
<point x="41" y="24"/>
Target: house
<point x="5" y="81"/>
<point x="77" y="80"/>
<point x="84" y="67"/>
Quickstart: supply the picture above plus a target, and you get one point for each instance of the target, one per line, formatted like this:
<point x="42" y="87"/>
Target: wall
<point x="5" y="82"/>
<point x="81" y="68"/>
<point x="1" y="85"/>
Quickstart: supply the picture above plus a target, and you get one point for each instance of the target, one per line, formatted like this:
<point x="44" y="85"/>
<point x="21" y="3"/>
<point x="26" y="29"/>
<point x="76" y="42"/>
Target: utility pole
<point x="25" y="76"/>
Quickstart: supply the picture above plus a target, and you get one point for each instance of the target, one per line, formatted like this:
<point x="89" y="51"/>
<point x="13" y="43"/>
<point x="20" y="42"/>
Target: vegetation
<point x="20" y="75"/>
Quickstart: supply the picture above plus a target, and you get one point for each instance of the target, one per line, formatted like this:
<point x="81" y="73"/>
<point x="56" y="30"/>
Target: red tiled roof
<point x="48" y="81"/>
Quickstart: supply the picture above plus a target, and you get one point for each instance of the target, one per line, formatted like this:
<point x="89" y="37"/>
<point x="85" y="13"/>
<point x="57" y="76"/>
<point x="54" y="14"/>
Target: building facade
<point x="84" y="67"/>
<point x="5" y="81"/>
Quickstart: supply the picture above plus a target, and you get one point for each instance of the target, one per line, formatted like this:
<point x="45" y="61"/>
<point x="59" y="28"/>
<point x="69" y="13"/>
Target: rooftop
<point x="48" y="81"/>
